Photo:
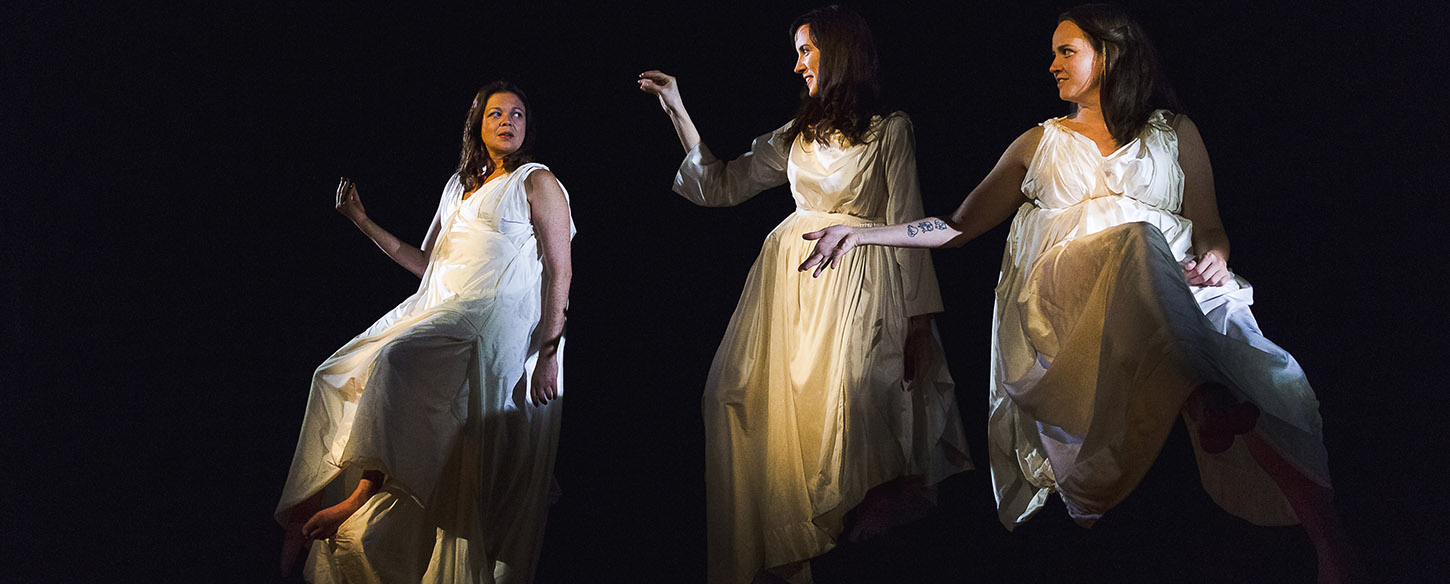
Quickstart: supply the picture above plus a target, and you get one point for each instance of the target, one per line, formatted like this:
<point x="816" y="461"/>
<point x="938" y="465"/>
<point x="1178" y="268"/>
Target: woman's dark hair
<point x="848" y="84"/>
<point x="474" y="163"/>
<point x="1132" y="83"/>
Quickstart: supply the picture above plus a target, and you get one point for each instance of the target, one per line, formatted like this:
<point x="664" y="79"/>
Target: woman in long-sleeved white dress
<point x="1116" y="310"/>
<point x="804" y="409"/>
<point x="429" y="410"/>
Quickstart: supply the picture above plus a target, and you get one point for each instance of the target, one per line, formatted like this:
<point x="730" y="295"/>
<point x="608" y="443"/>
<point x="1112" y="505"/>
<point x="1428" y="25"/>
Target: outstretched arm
<point x="1209" y="266"/>
<point x="703" y="179"/>
<point x="549" y="211"/>
<point x="992" y="202"/>
<point x="415" y="260"/>
<point x="667" y="88"/>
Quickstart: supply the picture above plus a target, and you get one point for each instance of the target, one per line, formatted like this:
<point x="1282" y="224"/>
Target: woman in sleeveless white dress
<point x="804" y="409"/>
<point x="429" y="410"/>
<point x="1116" y="311"/>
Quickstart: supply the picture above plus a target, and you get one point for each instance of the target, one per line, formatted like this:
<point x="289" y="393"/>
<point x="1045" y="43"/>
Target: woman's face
<point x="808" y="59"/>
<point x="503" y="124"/>
<point x="1075" y="65"/>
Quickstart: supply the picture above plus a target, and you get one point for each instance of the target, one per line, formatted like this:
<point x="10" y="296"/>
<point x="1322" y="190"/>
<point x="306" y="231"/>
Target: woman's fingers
<point x="827" y="261"/>
<point x="656" y="83"/>
<point x="1206" y="270"/>
<point x="811" y="261"/>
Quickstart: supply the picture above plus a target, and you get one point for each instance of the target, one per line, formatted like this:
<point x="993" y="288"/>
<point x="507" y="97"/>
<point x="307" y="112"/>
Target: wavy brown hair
<point x="474" y="163"/>
<point x="848" y="81"/>
<point x="1132" y="84"/>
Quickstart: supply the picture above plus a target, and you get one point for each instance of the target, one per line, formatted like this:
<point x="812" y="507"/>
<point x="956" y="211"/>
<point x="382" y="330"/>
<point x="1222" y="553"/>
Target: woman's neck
<point x="496" y="164"/>
<point x="1090" y="114"/>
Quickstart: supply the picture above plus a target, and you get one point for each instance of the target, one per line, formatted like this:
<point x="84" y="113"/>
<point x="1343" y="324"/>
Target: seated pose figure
<point x="805" y="414"/>
<point x="1116" y="310"/>
<point x="431" y="405"/>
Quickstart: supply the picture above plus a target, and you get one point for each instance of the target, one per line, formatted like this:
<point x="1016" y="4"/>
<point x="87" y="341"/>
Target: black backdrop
<point x="173" y="270"/>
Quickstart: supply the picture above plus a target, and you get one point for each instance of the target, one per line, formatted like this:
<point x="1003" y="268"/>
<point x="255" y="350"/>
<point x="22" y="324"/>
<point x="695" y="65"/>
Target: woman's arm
<point x="1209" y="266"/>
<point x="992" y="202"/>
<point x="415" y="260"/>
<point x="667" y="89"/>
<point x="549" y="211"/>
<point x="703" y="179"/>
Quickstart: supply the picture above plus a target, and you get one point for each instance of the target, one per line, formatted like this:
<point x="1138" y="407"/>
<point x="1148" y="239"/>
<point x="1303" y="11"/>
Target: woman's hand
<point x="917" y="352"/>
<point x="1208" y="269"/>
<point x="832" y="243"/>
<point x="544" y="385"/>
<point x="668" y="90"/>
<point x="664" y="87"/>
<point x="348" y="202"/>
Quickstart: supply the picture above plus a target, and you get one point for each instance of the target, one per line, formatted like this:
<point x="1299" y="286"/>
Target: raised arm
<point x="703" y="179"/>
<point x="667" y="88"/>
<point x="549" y="212"/>
<point x="415" y="260"/>
<point x="992" y="202"/>
<point x="1209" y="266"/>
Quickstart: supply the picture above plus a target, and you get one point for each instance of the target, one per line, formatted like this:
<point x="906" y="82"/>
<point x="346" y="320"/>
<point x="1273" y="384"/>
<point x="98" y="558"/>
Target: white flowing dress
<point x="435" y="395"/>
<point x="1099" y="341"/>
<point x="804" y="410"/>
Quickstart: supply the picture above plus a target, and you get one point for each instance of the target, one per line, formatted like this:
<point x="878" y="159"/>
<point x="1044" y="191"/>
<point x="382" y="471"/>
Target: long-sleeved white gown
<point x="803" y="406"/>
<point x="435" y="394"/>
<point x="1099" y="340"/>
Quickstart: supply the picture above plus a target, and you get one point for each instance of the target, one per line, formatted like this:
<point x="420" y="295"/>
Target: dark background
<point x="173" y="270"/>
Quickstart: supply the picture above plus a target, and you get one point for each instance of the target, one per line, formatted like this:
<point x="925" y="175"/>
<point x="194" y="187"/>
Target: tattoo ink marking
<point x="925" y="226"/>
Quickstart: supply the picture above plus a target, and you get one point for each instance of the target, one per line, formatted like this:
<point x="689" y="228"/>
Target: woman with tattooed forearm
<point x="1116" y="311"/>
<point x="805" y="414"/>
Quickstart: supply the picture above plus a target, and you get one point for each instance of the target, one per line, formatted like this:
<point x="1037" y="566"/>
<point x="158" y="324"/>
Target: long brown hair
<point x="848" y="84"/>
<point x="473" y="163"/>
<point x="1132" y="84"/>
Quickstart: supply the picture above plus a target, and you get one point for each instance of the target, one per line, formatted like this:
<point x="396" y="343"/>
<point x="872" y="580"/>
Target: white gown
<point x="803" y="406"/>
<point x="435" y="394"/>
<point x="1099" y="341"/>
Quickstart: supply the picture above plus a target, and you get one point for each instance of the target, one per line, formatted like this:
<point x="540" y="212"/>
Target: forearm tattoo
<point x="932" y="224"/>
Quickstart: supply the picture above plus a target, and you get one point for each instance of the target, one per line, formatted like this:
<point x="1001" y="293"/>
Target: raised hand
<point x="1208" y="269"/>
<point x="832" y="243"/>
<point x="348" y="202"/>
<point x="663" y="86"/>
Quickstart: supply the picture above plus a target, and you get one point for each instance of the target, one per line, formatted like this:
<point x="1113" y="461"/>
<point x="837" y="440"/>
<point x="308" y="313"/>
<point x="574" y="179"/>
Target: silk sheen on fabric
<point x="804" y="410"/>
<point x="1099" y="341"/>
<point x="435" y="394"/>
